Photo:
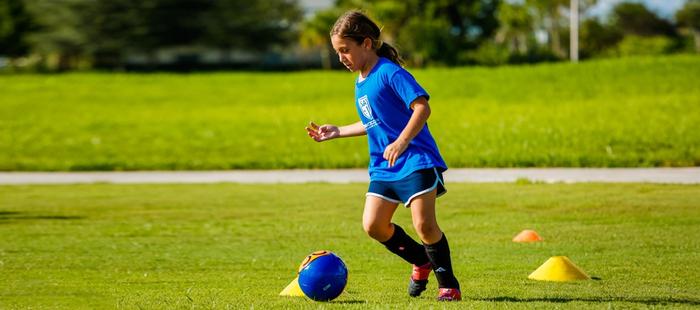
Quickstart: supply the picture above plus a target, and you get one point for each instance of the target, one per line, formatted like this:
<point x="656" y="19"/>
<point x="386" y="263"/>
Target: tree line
<point x="70" y="34"/>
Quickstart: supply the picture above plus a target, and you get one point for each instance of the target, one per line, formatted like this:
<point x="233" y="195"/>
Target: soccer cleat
<point x="419" y="279"/>
<point x="449" y="294"/>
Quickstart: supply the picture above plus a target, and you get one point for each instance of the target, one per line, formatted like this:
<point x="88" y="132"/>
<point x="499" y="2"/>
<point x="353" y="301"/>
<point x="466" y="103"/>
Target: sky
<point x="664" y="8"/>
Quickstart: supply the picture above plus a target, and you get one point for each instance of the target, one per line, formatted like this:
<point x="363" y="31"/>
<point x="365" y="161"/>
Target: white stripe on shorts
<point x="437" y="179"/>
<point x="383" y="197"/>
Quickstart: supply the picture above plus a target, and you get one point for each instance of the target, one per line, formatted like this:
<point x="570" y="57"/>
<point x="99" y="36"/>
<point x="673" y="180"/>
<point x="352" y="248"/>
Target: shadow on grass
<point x="639" y="300"/>
<point x="9" y="216"/>
<point x="354" y="301"/>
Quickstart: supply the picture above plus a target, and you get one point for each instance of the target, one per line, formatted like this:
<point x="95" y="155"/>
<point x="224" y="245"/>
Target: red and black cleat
<point x="419" y="279"/>
<point x="449" y="294"/>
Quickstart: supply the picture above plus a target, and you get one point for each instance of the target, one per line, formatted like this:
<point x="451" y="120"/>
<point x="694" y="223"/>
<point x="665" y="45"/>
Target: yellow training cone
<point x="527" y="236"/>
<point x="558" y="268"/>
<point x="292" y="289"/>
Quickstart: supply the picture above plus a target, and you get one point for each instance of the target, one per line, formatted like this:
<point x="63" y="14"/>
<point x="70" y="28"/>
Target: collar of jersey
<point x="371" y="72"/>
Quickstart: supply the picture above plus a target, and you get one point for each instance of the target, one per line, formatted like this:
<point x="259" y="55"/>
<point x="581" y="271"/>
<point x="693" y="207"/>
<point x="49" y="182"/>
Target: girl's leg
<point x="435" y="242"/>
<point x="376" y="219"/>
<point x="377" y="223"/>
<point x="424" y="219"/>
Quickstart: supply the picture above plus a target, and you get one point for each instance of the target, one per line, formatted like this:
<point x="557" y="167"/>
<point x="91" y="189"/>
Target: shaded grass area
<point x="635" y="112"/>
<point x="236" y="246"/>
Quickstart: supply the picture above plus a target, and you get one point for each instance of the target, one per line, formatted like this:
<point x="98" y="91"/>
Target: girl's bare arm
<point x="328" y="131"/>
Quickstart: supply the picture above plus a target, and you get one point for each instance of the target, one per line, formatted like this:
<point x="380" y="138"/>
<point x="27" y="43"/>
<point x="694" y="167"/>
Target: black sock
<point x="405" y="247"/>
<point x="439" y="255"/>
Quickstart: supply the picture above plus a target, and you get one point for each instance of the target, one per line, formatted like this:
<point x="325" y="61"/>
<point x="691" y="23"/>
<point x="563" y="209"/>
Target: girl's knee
<point x="378" y="232"/>
<point x="426" y="229"/>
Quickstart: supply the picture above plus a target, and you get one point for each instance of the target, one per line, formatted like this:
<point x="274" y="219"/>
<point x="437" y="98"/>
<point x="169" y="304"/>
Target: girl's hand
<point x="322" y="133"/>
<point x="394" y="150"/>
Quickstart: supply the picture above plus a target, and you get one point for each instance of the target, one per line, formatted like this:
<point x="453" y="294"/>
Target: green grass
<point x="607" y="113"/>
<point x="236" y="246"/>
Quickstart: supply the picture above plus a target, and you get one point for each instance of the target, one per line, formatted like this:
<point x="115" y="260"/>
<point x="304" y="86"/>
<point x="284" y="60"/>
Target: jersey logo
<point x="364" y="107"/>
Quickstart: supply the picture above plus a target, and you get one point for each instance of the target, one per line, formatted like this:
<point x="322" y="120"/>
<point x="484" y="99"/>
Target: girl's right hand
<point x="323" y="132"/>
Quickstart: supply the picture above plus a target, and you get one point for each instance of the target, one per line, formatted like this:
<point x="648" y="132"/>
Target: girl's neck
<point x="367" y="68"/>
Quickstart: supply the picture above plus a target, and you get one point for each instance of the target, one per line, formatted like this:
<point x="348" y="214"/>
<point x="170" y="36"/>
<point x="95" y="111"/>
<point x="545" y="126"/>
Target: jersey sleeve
<point x="406" y="87"/>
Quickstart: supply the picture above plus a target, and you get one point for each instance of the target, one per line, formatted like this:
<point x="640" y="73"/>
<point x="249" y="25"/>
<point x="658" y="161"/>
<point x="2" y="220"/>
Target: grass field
<point x="623" y="112"/>
<point x="236" y="246"/>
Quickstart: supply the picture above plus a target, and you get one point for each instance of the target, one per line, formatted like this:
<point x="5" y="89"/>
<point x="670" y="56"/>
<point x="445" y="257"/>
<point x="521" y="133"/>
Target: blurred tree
<point x="596" y="38"/>
<point x="632" y="45"/>
<point x="15" y="25"/>
<point x="179" y="22"/>
<point x="636" y="19"/>
<point x="117" y="27"/>
<point x="516" y="27"/>
<point x="392" y="16"/>
<point x="471" y="22"/>
<point x="432" y="30"/>
<point x="59" y="33"/>
<point x="689" y="16"/>
<point x="315" y="34"/>
<point x="427" y="40"/>
<point x="550" y="15"/>
<point x="250" y="25"/>
<point x="489" y="54"/>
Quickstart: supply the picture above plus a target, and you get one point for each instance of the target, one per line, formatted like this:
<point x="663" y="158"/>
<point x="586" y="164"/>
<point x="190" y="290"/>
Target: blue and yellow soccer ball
<point x="322" y="276"/>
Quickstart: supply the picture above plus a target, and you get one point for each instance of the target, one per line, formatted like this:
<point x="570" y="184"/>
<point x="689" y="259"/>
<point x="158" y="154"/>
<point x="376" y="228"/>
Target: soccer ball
<point x="322" y="276"/>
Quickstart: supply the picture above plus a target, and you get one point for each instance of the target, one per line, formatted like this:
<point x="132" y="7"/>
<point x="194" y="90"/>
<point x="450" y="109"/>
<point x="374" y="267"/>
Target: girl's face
<point x="354" y="56"/>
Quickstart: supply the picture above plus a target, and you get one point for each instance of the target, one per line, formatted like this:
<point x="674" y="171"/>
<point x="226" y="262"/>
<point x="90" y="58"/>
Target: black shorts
<point x="415" y="184"/>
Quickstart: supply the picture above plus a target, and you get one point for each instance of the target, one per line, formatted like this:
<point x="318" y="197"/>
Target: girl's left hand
<point x="394" y="150"/>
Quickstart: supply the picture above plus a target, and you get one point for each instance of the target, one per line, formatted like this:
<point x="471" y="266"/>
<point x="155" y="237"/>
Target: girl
<point x="405" y="164"/>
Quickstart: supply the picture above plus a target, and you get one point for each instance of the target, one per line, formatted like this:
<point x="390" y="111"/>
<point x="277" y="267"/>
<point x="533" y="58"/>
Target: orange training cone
<point x="527" y="236"/>
<point x="558" y="268"/>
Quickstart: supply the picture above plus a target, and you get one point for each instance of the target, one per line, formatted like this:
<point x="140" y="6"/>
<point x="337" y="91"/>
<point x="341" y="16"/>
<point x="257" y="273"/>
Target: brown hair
<point x="357" y="26"/>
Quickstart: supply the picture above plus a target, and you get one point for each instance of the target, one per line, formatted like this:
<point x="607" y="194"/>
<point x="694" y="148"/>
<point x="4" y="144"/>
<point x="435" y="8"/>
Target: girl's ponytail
<point x="387" y="51"/>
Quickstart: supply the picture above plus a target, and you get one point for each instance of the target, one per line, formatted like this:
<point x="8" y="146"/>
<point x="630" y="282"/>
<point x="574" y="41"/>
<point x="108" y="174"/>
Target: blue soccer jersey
<point x="383" y="101"/>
